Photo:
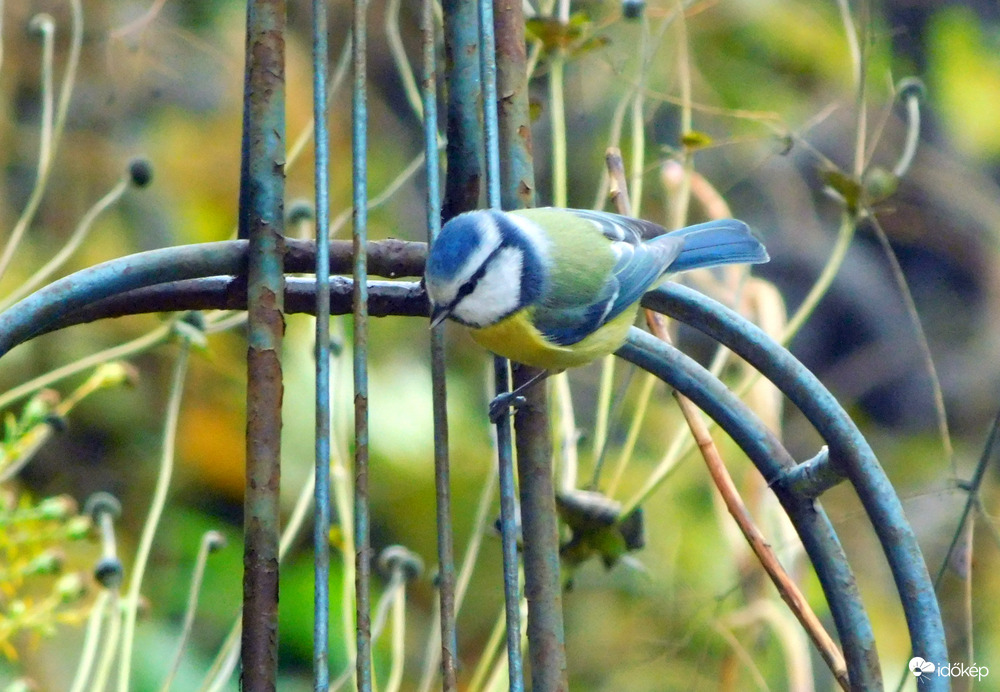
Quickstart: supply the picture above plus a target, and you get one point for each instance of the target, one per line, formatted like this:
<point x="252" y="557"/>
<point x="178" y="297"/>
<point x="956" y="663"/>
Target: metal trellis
<point x="481" y="145"/>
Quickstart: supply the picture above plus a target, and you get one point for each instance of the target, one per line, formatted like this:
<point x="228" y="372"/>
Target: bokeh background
<point x="776" y="107"/>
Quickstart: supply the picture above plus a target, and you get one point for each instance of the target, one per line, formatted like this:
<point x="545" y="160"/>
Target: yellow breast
<point x="517" y="338"/>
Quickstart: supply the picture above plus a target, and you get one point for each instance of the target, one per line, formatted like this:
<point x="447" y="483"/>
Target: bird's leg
<point x="502" y="403"/>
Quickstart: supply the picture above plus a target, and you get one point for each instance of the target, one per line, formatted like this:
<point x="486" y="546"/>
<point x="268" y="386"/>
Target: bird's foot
<point x="501" y="405"/>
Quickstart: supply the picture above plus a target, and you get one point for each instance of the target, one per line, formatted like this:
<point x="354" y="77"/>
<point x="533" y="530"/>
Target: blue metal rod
<point x="196" y="276"/>
<point x="362" y="529"/>
<point x="385" y="298"/>
<point x="491" y="124"/>
<point x="35" y="313"/>
<point x="771" y="459"/>
<point x="508" y="536"/>
<point x="62" y="298"/>
<point x="505" y="458"/>
<point x="813" y="477"/>
<point x="262" y="192"/>
<point x="439" y="395"/>
<point x="115" y="288"/>
<point x="848" y="450"/>
<point x="539" y="526"/>
<point x="464" y="116"/>
<point x="321" y="525"/>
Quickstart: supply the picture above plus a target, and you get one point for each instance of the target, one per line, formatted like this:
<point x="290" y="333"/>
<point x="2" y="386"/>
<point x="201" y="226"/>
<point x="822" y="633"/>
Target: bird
<point x="556" y="288"/>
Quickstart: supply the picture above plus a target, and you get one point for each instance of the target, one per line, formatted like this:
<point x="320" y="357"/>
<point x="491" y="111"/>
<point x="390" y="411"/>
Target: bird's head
<point x="483" y="267"/>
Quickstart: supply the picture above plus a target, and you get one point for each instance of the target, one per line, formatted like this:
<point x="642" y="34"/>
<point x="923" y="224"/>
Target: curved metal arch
<point x="205" y="277"/>
<point x="112" y="288"/>
<point x="769" y="456"/>
<point x="850" y="455"/>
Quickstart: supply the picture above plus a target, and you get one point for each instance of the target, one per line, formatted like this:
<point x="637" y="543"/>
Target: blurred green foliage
<point x="965" y="76"/>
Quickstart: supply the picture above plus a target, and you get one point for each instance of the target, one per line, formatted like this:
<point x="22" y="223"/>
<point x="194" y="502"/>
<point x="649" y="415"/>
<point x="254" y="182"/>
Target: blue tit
<point x="556" y="288"/>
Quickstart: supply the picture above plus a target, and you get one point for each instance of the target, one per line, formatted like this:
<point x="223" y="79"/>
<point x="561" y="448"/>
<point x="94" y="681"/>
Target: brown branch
<point x="787" y="588"/>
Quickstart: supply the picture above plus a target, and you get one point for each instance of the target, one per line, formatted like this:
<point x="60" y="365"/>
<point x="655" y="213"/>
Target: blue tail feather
<point x="726" y="241"/>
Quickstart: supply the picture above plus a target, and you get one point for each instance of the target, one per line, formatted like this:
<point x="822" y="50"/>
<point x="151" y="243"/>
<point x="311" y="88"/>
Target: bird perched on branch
<point x="556" y="288"/>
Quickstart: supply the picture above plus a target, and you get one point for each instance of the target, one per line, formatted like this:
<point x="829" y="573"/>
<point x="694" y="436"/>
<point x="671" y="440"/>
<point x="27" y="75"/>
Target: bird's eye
<point x="465" y="289"/>
<point x="470" y="285"/>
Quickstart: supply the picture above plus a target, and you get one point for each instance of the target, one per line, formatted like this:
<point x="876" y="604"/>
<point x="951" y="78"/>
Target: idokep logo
<point x="923" y="669"/>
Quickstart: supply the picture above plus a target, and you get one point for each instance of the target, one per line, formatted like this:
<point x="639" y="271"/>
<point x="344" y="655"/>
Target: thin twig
<point x="110" y="643"/>
<point x="569" y="458"/>
<point x="71" y="245"/>
<point x="398" y="53"/>
<point x="141" y="22"/>
<point x="922" y="344"/>
<point x="787" y="588"/>
<point x="52" y="126"/>
<point x="91" y="639"/>
<point x="210" y="541"/>
<point x="157" y="505"/>
<point x="432" y="656"/>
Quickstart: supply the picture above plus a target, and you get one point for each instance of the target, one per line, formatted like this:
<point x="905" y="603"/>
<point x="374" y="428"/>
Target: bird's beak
<point x="438" y="314"/>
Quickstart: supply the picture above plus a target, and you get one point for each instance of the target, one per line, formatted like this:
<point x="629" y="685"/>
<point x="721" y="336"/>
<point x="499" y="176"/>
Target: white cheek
<point x="440" y="294"/>
<point x="497" y="294"/>
<point x="489" y="240"/>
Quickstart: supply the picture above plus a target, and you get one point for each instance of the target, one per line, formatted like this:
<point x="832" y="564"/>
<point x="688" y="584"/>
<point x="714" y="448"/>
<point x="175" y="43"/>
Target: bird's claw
<point x="500" y="406"/>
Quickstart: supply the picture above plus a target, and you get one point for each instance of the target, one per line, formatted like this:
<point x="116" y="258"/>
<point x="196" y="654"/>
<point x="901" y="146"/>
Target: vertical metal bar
<point x="508" y="507"/>
<point x="262" y="188"/>
<point x="439" y="401"/>
<point x="508" y="536"/>
<point x="491" y="126"/>
<point x="517" y="173"/>
<point x="362" y="531"/>
<point x="321" y="525"/>
<point x="542" y="581"/>
<point x="464" y="123"/>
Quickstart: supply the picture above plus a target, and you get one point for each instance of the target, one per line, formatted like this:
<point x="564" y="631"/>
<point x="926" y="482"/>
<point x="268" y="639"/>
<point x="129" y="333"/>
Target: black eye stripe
<point x="470" y="285"/>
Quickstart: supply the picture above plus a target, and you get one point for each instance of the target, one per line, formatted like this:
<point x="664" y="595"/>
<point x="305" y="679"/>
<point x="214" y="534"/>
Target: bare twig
<point x="787" y="588"/>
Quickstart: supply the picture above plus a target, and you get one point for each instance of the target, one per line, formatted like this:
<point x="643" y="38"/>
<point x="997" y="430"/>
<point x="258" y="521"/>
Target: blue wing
<point x="645" y="251"/>
<point x="710" y="244"/>
<point x="638" y="265"/>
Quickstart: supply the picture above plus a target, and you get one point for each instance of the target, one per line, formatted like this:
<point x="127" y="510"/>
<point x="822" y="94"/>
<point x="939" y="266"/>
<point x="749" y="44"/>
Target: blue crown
<point x="458" y="239"/>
